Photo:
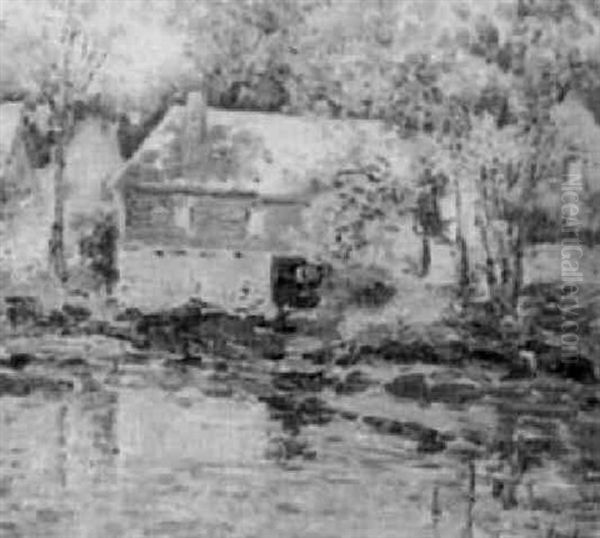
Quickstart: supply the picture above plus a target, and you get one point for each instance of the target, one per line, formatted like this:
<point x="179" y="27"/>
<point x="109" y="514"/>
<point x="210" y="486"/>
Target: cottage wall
<point x="209" y="221"/>
<point x="218" y="248"/>
<point x="153" y="278"/>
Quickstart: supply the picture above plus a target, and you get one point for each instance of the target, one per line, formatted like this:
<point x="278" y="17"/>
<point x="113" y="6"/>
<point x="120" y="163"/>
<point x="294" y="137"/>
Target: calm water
<point x="146" y="452"/>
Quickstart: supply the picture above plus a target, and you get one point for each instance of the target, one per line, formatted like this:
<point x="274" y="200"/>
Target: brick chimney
<point x="194" y="131"/>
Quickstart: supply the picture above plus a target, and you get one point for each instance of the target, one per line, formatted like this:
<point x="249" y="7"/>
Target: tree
<point x="548" y="53"/>
<point x="480" y="83"/>
<point x="80" y="63"/>
<point x="66" y="64"/>
<point x="510" y="65"/>
<point x="76" y="56"/>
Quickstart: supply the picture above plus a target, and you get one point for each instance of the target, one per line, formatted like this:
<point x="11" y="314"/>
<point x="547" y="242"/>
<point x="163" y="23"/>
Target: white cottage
<point x="212" y="195"/>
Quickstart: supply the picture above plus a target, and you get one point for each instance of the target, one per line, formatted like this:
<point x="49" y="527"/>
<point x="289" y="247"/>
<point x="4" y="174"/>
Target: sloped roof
<point x="267" y="153"/>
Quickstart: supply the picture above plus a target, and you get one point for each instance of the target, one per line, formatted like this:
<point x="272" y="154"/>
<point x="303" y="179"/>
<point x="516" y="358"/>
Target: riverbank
<point x="424" y="410"/>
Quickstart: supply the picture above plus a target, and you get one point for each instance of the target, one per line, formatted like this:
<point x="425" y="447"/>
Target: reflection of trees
<point x="87" y="440"/>
<point x="102" y="417"/>
<point x="62" y="459"/>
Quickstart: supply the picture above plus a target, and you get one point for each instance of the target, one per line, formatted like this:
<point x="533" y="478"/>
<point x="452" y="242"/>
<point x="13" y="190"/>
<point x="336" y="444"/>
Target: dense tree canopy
<point x="415" y="63"/>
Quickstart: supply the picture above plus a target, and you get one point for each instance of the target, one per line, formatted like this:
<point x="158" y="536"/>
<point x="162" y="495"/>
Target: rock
<point x="294" y="413"/>
<point x="493" y="356"/>
<point x="313" y="410"/>
<point x="452" y="350"/>
<point x="412" y="352"/>
<point x="221" y="366"/>
<point x="385" y="425"/>
<point x="219" y="377"/>
<point x="129" y="314"/>
<point x="73" y="362"/>
<point x="121" y="330"/>
<point x="430" y="441"/>
<point x="318" y="356"/>
<point x="524" y="367"/>
<point x="581" y="369"/>
<point x="465" y="449"/>
<point x="552" y="392"/>
<point x="355" y="381"/>
<point x="21" y="309"/>
<point x="412" y="386"/>
<point x="13" y="385"/>
<point x="95" y="326"/>
<point x="272" y="350"/>
<point x="18" y="361"/>
<point x="291" y="421"/>
<point x="186" y="362"/>
<point x="588" y="431"/>
<point x="508" y="391"/>
<point x="348" y="415"/>
<point x="347" y="358"/>
<point x="289" y="447"/>
<point x="77" y="312"/>
<point x="516" y="409"/>
<point x="474" y="436"/>
<point x="278" y="402"/>
<point x="301" y="381"/>
<point x="454" y="392"/>
<point x="589" y="400"/>
<point x="57" y="318"/>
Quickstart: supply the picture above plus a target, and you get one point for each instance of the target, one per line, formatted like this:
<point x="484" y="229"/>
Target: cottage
<point x="212" y="195"/>
<point x="199" y="216"/>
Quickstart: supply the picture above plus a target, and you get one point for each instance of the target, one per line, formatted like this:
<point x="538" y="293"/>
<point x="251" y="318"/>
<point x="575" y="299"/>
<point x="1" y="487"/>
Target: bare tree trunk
<point x="63" y="115"/>
<point x="57" y="242"/>
<point x="519" y="248"/>
<point x="463" y="279"/>
<point x="490" y="264"/>
<point x="506" y="270"/>
<point x="484" y="220"/>
<point x="518" y="265"/>
<point x="468" y="531"/>
<point x="426" y="255"/>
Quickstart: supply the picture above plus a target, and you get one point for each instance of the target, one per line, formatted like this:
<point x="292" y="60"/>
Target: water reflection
<point x="124" y="462"/>
<point x="61" y="464"/>
<point x="145" y="453"/>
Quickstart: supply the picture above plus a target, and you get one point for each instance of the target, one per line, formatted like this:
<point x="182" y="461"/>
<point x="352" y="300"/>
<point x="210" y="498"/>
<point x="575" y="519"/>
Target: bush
<point x="98" y="251"/>
<point x="359" y="286"/>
